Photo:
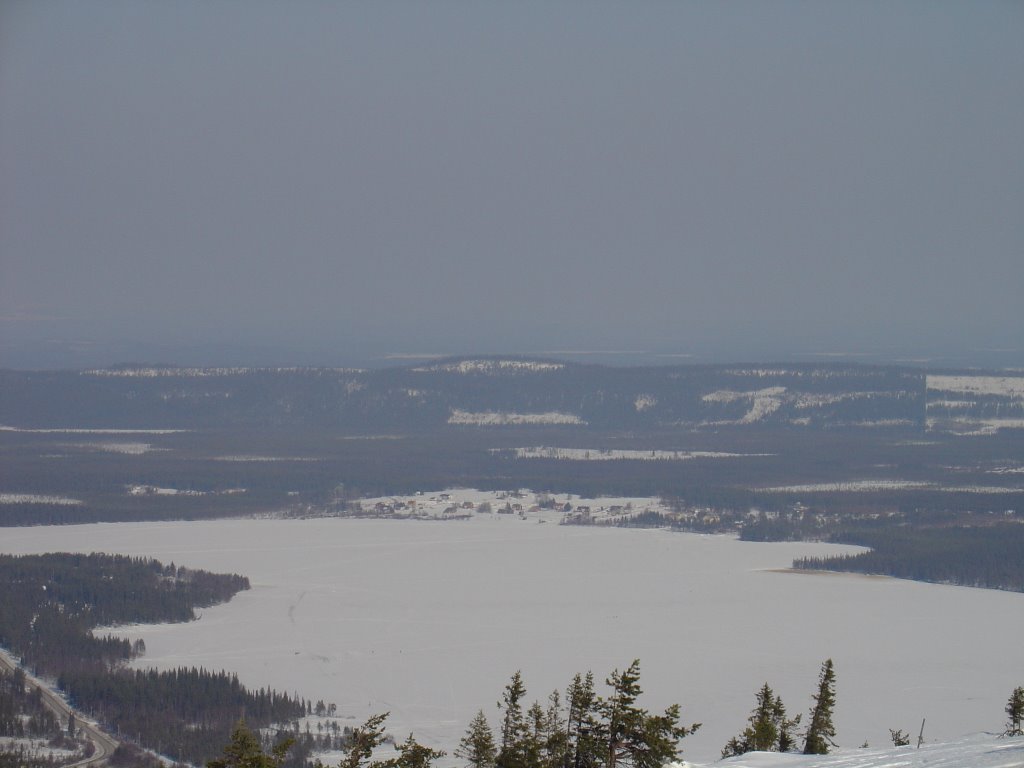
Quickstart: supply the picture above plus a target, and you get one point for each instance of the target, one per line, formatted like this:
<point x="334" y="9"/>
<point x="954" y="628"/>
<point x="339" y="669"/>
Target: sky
<point x="316" y="183"/>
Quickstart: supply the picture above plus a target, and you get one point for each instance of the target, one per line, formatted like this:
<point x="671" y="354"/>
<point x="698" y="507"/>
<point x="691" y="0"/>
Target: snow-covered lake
<point x="429" y="620"/>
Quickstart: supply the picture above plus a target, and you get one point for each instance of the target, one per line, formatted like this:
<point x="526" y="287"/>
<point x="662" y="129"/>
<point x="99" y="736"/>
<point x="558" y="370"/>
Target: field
<point x="429" y="619"/>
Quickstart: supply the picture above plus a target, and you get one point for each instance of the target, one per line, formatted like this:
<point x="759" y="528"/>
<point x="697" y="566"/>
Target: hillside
<point x="976" y="751"/>
<point x="497" y="392"/>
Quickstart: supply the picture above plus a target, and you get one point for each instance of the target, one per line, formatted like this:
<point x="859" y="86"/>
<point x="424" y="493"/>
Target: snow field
<point x="35" y="498"/>
<point x="606" y="454"/>
<point x="429" y="620"/>
<point x="1011" y="387"/>
<point x="504" y="418"/>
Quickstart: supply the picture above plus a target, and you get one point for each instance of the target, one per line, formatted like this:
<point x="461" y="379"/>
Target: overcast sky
<point x="331" y="180"/>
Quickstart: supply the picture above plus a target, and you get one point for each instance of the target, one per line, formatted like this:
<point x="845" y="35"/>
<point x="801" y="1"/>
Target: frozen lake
<point x="430" y="619"/>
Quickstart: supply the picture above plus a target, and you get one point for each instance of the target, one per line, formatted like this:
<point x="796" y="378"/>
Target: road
<point x="103" y="744"/>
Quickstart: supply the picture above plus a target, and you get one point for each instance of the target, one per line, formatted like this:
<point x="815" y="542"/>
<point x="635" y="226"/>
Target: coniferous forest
<point x="987" y="556"/>
<point x="53" y="601"/>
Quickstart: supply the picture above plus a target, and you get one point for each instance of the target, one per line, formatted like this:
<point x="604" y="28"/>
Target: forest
<point x="989" y="556"/>
<point x="53" y="602"/>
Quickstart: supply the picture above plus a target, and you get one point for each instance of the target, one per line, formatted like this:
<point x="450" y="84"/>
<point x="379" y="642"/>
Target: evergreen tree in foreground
<point x="820" y="730"/>
<point x="1015" y="713"/>
<point x="590" y="732"/>
<point x="787" y="737"/>
<point x="511" y="753"/>
<point x="769" y="729"/>
<point x="363" y="741"/>
<point x="369" y="736"/>
<point x="629" y="736"/>
<point x="245" y="751"/>
<point x="411" y="754"/>
<point x="899" y="738"/>
<point x="477" y="746"/>
<point x="581" y="725"/>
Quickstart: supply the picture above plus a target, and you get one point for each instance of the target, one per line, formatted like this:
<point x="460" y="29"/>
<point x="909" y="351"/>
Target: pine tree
<point x="411" y="754"/>
<point x="768" y="727"/>
<point x="511" y="753"/>
<point x="536" y="737"/>
<point x="583" y="748"/>
<point x="1015" y="713"/>
<point x="820" y="730"/>
<point x="477" y="746"/>
<point x="629" y="735"/>
<point x="363" y="741"/>
<point x="785" y="725"/>
<point x="556" y="747"/>
<point x="899" y="738"/>
<point x="245" y="751"/>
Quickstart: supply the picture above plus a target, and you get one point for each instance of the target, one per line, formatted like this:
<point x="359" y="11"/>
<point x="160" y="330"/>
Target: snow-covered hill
<point x="977" y="751"/>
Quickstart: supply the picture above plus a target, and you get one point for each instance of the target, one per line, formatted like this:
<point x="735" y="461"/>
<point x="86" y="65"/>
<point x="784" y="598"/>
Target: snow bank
<point x="1004" y="386"/>
<point x="34" y="498"/>
<point x="504" y="418"/>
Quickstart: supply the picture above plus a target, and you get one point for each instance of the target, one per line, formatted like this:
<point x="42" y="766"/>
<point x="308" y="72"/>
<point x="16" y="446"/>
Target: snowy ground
<point x="977" y="751"/>
<point x="36" y="498"/>
<point x="862" y="486"/>
<point x="609" y="454"/>
<point x="428" y="619"/>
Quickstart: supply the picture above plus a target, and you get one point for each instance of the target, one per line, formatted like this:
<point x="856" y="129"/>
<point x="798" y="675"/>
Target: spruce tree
<point x="246" y="751"/>
<point x="363" y="741"/>
<point x="1015" y="713"/>
<point x="511" y="753"/>
<point x="411" y="754"/>
<point x="535" y="743"/>
<point x="899" y="738"/>
<point x="768" y="727"/>
<point x="629" y="735"/>
<point x="785" y="725"/>
<point x="477" y="746"/>
<point x="820" y="730"/>
<point x="583" y="748"/>
<point x="556" y="747"/>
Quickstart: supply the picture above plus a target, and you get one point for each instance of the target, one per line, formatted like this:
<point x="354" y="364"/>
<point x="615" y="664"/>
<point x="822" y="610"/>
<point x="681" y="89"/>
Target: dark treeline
<point x="981" y="556"/>
<point x="315" y="464"/>
<point x="53" y="602"/>
<point x="183" y="713"/>
<point x="22" y="713"/>
<point x="423" y="396"/>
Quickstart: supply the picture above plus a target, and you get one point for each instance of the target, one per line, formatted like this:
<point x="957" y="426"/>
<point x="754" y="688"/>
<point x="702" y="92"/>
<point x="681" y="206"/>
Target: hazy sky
<point x="356" y="179"/>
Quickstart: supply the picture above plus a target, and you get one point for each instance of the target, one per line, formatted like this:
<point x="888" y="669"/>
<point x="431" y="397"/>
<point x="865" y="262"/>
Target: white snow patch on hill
<point x="763" y="402"/>
<point x="153" y="373"/>
<point x="606" y="454"/>
<point x="491" y="366"/>
<point x="818" y="400"/>
<point x="1005" y="386"/>
<point x="129" y="449"/>
<point x="644" y="402"/>
<point x="83" y="431"/>
<point x="970" y="426"/>
<point x="950" y="404"/>
<point x="265" y="458"/>
<point x="851" y="486"/>
<point x="35" y="498"/>
<point x="729" y="396"/>
<point x="882" y="423"/>
<point x="860" y="486"/>
<point x="976" y="751"/>
<point x="502" y="418"/>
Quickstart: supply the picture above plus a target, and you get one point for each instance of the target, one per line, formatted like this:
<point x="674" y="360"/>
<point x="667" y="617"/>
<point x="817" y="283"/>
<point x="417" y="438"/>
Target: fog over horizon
<point x="327" y="184"/>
